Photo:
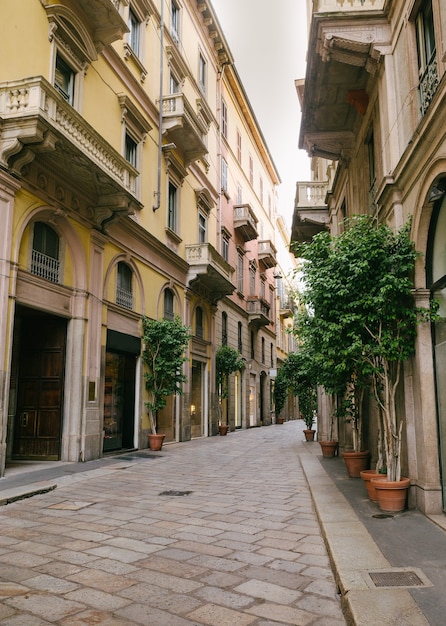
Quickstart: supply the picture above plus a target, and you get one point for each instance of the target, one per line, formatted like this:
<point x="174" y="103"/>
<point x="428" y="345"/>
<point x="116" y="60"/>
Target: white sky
<point x="268" y="40"/>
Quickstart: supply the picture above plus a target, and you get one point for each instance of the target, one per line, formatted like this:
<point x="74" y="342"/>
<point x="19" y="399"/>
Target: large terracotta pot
<point x="355" y="462"/>
<point x="367" y="476"/>
<point x="329" y="448"/>
<point x="223" y="430"/>
<point x="156" y="441"/>
<point x="309" y="434"/>
<point x="392" y="494"/>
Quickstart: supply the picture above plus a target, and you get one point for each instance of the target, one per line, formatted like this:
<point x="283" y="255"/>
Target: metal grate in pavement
<point x="399" y="578"/>
<point x="175" y="493"/>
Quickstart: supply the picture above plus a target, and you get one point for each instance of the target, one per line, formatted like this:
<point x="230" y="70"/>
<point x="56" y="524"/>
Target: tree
<point x="164" y="344"/>
<point x="296" y="375"/>
<point x="360" y="318"/>
<point x="227" y="361"/>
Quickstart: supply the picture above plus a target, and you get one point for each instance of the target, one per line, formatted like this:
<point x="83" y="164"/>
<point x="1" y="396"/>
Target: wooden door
<point x="38" y="422"/>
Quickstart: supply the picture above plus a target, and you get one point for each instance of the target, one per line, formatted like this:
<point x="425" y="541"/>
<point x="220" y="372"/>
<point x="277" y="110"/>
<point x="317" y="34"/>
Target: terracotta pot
<point x="309" y="434"/>
<point x="156" y="441"/>
<point x="392" y="494"/>
<point x="329" y="448"/>
<point x="367" y="476"/>
<point x="223" y="430"/>
<point x="355" y="462"/>
<point x="280" y="420"/>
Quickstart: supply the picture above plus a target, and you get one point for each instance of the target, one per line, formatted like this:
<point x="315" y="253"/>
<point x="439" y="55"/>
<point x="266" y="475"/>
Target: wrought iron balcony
<point x="428" y="84"/>
<point x="209" y="274"/>
<point x="245" y="222"/>
<point x="258" y="312"/>
<point x="39" y="125"/>
<point x="266" y="253"/>
<point x="183" y="127"/>
<point x="310" y="211"/>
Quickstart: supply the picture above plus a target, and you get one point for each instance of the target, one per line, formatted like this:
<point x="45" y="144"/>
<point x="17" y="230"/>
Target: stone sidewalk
<point x="218" y="532"/>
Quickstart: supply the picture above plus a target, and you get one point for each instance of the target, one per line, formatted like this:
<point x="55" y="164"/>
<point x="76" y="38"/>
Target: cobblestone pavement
<point x="218" y="531"/>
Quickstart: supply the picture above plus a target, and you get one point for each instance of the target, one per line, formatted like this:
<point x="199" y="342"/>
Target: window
<point x="131" y="150"/>
<point x="225" y="247"/>
<point x="239" y="147"/>
<point x="239" y="194"/>
<point x="134" y="32"/>
<point x="262" y="288"/>
<point x="224" y="329"/>
<point x="240" y="337"/>
<point x="202" y="227"/>
<point x="272" y="355"/>
<point x="168" y="305"/>
<point x="64" y="78"/>
<point x="124" y="295"/>
<point x="172" y="208"/>
<point x="251" y="170"/>
<point x="199" y="322"/>
<point x="175" y="22"/>
<point x="240" y="273"/>
<point x="174" y="85"/>
<point x="252" y="280"/>
<point x="45" y="253"/>
<point x="202" y="73"/>
<point x="253" y="352"/>
<point x="263" y="349"/>
<point x="224" y="176"/>
<point x="427" y="62"/>
<point x="224" y="119"/>
<point x="261" y="189"/>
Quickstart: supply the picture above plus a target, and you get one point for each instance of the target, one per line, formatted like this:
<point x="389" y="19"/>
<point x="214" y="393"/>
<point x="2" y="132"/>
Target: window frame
<point x="168" y="298"/>
<point x="175" y="22"/>
<point x="224" y="119"/>
<point x="202" y="72"/>
<point x="124" y="285"/>
<point x="224" y="175"/>
<point x="43" y="262"/>
<point x="172" y="205"/>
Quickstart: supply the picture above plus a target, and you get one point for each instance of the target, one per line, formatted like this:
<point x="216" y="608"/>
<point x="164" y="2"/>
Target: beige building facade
<point x="373" y="105"/>
<point x="134" y="181"/>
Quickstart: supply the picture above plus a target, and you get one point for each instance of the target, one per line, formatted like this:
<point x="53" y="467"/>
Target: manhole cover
<point x="399" y="578"/>
<point x="175" y="493"/>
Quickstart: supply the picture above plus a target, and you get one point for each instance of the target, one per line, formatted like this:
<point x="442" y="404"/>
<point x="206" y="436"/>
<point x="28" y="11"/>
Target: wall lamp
<point x="436" y="193"/>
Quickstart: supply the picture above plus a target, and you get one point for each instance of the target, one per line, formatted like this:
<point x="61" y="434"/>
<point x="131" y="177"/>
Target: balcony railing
<point x="45" y="266"/>
<point x="258" y="312"/>
<point x="208" y="271"/>
<point x="333" y="6"/>
<point x="267" y="253"/>
<point x="311" y="194"/>
<point x="124" y="298"/>
<point x="245" y="222"/>
<point x="183" y="126"/>
<point x="428" y="84"/>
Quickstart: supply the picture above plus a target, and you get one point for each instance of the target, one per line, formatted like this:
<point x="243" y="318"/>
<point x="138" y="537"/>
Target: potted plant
<point x="164" y="343"/>
<point x="364" y="317"/>
<point x="329" y="446"/>
<point x="227" y="361"/>
<point x="280" y="393"/>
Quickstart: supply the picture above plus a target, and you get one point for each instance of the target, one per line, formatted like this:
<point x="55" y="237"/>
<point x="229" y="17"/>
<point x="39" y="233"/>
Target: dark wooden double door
<point x="40" y="384"/>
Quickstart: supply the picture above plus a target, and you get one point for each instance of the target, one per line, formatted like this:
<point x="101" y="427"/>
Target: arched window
<point x="199" y="322"/>
<point x="124" y="294"/>
<point x="45" y="253"/>
<point x="168" y="304"/>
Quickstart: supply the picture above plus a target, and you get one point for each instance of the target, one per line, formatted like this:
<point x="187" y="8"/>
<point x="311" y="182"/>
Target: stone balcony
<point x="40" y="128"/>
<point x="266" y="253"/>
<point x="348" y="6"/>
<point x="258" y="312"/>
<point x="183" y="127"/>
<point x="245" y="222"/>
<point x="209" y="274"/>
<point x="311" y="214"/>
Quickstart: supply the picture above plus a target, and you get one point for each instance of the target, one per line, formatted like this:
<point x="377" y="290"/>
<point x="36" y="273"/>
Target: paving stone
<point x="43" y="582"/>
<point x="215" y="595"/>
<point x="97" y="599"/>
<point x="214" y="615"/>
<point x="8" y="590"/>
<point x="161" y="598"/>
<point x="283" y="614"/>
<point x="98" y="618"/>
<point x="268" y="591"/>
<point x="44" y="605"/>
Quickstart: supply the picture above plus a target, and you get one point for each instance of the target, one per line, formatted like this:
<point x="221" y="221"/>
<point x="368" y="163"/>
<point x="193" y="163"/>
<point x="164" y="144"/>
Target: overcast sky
<point x="268" y="42"/>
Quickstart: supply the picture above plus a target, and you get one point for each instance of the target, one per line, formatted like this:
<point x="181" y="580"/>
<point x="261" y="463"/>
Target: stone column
<point x="8" y="189"/>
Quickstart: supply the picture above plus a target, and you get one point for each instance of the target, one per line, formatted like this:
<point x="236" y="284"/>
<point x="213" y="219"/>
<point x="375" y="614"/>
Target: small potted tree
<point x="163" y="355"/>
<point x="227" y="361"/>
<point x="297" y="374"/>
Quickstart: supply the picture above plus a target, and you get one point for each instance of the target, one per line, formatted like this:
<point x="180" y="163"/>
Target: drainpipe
<point x="157" y="193"/>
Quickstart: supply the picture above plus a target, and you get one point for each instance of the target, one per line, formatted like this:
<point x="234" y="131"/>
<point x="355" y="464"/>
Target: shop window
<point x="45" y="253"/>
<point x="124" y="295"/>
<point x="169" y="305"/>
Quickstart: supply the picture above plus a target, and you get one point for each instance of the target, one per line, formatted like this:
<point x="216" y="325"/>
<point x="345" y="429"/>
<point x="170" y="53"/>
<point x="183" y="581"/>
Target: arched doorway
<point x="436" y="281"/>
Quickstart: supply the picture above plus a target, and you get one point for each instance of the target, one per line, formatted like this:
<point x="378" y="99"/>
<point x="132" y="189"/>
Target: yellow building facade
<point x="117" y="201"/>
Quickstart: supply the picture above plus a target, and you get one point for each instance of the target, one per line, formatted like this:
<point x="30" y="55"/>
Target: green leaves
<point x="227" y="360"/>
<point x="164" y="344"/>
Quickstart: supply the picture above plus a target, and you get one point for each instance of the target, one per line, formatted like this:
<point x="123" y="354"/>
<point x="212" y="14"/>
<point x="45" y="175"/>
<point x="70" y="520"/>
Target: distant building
<point x="373" y="108"/>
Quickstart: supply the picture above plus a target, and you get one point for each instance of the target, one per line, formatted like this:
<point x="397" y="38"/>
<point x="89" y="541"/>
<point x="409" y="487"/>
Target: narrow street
<point x="217" y="532"/>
